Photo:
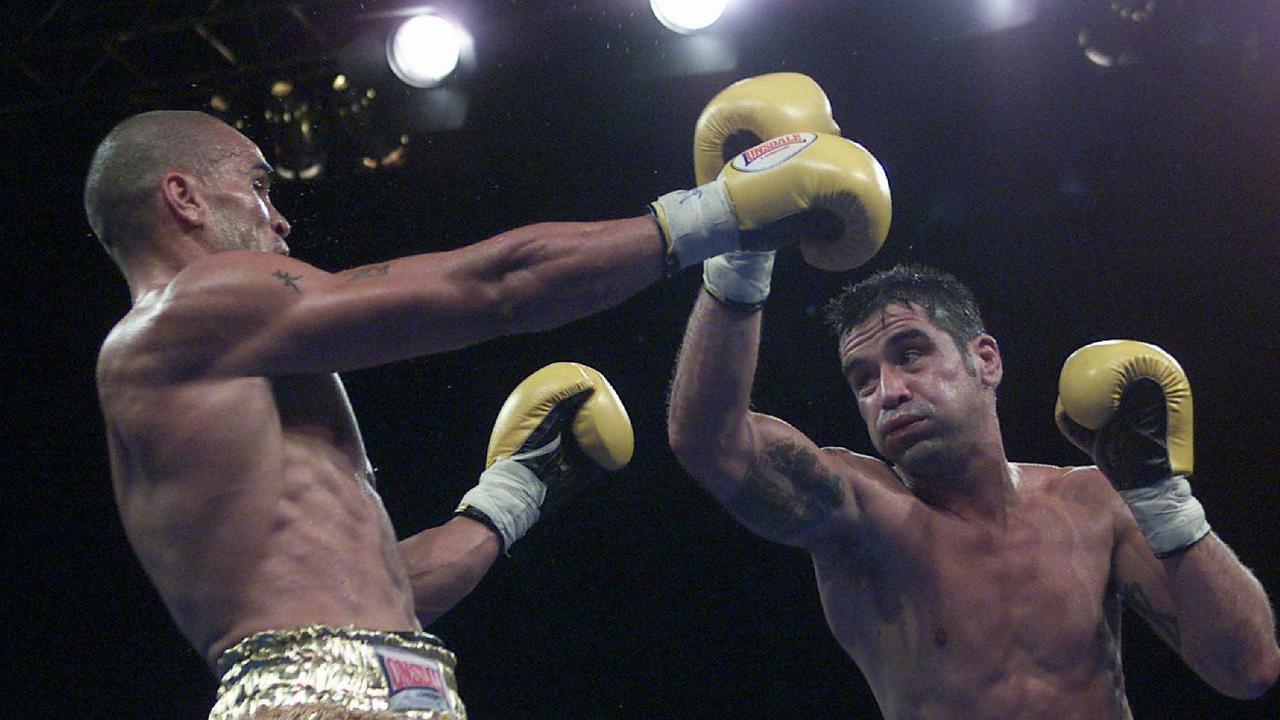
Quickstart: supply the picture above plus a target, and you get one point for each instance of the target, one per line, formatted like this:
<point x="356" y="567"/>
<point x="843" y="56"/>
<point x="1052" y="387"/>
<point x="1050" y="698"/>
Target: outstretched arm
<point x="237" y="313"/>
<point x="771" y="477"/>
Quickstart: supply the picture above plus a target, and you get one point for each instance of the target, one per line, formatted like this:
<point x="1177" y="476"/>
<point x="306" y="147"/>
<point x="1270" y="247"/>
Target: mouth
<point x="898" y="424"/>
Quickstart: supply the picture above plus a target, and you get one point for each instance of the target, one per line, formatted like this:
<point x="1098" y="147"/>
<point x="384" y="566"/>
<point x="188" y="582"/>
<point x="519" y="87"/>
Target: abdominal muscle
<point x="263" y="517"/>
<point x="327" y="555"/>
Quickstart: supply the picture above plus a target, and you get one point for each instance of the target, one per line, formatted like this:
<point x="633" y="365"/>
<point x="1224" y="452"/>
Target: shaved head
<point x="130" y="161"/>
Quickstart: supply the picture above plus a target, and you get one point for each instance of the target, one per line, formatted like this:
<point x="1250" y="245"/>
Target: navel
<point x="940" y="637"/>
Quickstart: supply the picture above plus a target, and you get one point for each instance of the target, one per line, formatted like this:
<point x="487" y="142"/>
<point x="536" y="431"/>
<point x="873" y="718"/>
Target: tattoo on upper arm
<point x="1165" y="625"/>
<point x="369" y="271"/>
<point x="290" y="281"/>
<point x="794" y="494"/>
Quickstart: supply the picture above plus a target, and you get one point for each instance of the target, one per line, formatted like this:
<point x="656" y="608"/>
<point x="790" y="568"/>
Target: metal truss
<point x="144" y="51"/>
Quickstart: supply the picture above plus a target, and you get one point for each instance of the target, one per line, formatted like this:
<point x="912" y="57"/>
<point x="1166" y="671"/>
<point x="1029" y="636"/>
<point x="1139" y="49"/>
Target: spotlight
<point x="377" y="133"/>
<point x="426" y="49"/>
<point x="1123" y="36"/>
<point x="295" y="138"/>
<point x="228" y="110"/>
<point x="687" y="16"/>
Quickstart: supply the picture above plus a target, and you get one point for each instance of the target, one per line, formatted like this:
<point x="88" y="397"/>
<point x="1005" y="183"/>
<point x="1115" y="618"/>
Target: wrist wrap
<point x="739" y="278"/>
<point x="1168" y="514"/>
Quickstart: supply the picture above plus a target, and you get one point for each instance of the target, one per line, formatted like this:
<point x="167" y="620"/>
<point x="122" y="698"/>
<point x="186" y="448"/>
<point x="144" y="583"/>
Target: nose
<point x="281" y="226"/>
<point x="893" y="388"/>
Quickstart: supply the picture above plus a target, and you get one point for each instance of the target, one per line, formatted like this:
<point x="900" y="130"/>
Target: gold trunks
<point x="319" y="672"/>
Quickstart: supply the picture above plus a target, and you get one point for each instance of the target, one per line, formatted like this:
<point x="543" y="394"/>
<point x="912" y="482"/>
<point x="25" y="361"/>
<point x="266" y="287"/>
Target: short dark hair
<point x="947" y="302"/>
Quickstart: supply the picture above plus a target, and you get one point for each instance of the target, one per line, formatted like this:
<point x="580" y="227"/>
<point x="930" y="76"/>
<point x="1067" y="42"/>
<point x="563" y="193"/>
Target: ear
<point x="181" y="195"/>
<point x="990" y="366"/>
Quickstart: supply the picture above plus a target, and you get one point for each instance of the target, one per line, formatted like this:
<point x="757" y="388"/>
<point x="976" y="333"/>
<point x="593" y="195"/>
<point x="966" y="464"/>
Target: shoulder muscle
<point x="209" y="312"/>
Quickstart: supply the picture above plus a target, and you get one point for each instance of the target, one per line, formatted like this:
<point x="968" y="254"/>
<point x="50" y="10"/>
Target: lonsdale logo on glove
<point x="772" y="153"/>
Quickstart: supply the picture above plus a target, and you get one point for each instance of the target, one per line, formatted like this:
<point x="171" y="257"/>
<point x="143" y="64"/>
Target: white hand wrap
<point x="1170" y="517"/>
<point x="698" y="223"/>
<point x="510" y="495"/>
<point x="741" y="276"/>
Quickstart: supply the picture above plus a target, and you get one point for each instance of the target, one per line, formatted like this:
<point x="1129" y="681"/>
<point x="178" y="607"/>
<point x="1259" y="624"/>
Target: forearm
<point x="552" y="273"/>
<point x="528" y="279"/>
<point x="445" y="564"/>
<point x="1225" y="623"/>
<point x="711" y="393"/>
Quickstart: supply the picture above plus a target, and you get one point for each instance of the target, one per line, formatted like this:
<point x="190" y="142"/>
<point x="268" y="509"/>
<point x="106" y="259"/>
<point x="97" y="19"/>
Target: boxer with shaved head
<point x="238" y="467"/>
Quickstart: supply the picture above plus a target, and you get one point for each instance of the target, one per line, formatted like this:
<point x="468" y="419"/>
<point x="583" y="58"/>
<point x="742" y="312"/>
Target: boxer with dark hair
<point x="964" y="585"/>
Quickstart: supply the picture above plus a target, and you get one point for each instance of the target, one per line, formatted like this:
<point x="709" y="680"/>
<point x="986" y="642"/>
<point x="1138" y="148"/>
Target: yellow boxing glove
<point x="753" y="110"/>
<point x="823" y="189"/>
<point x="770" y="183"/>
<point x="740" y="117"/>
<point x="532" y="465"/>
<point x="700" y="224"/>
<point x="1128" y="404"/>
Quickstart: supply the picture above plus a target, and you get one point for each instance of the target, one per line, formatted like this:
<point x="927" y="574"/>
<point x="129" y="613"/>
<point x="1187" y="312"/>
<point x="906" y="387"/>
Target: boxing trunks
<point x="317" y="672"/>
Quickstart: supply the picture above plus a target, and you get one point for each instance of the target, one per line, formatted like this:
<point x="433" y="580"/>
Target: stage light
<point x="687" y="16"/>
<point x="1123" y="36"/>
<point x="377" y="131"/>
<point x="222" y="107"/>
<point x="297" y="144"/>
<point x="426" y="49"/>
<point x="993" y="16"/>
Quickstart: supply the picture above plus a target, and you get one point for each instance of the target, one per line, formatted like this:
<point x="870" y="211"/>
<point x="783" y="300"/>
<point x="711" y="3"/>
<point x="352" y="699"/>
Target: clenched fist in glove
<point x="559" y="429"/>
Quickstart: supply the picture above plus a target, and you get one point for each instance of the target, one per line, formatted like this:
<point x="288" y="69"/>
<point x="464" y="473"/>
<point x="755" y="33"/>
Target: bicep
<point x="790" y="491"/>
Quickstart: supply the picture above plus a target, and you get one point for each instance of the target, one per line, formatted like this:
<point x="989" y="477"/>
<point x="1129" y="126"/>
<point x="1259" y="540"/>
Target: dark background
<point x="1080" y="202"/>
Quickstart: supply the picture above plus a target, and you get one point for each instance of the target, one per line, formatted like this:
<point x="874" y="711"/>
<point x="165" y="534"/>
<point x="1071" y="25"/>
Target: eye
<point x="863" y="384"/>
<point x="912" y="355"/>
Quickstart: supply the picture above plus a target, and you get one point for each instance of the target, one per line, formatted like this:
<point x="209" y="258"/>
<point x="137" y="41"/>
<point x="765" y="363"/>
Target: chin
<point x="924" y="459"/>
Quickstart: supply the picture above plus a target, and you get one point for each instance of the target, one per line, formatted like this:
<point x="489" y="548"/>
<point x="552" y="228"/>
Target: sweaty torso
<point x="949" y="617"/>
<point x="249" y="500"/>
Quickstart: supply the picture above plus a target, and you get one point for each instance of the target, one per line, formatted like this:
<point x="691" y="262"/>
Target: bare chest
<point x="1032" y="591"/>
<point x="942" y="591"/>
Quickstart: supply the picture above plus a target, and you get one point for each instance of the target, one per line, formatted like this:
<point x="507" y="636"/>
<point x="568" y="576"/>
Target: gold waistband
<point x="344" y="667"/>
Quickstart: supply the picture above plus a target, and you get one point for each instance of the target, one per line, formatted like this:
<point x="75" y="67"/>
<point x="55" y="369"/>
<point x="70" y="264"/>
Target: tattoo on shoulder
<point x="369" y="271"/>
<point x="290" y="281"/>
<point x="794" y="493"/>
<point x="1165" y="625"/>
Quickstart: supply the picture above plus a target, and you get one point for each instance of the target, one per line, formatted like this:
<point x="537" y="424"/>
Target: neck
<point x="153" y="266"/>
<point x="981" y="484"/>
